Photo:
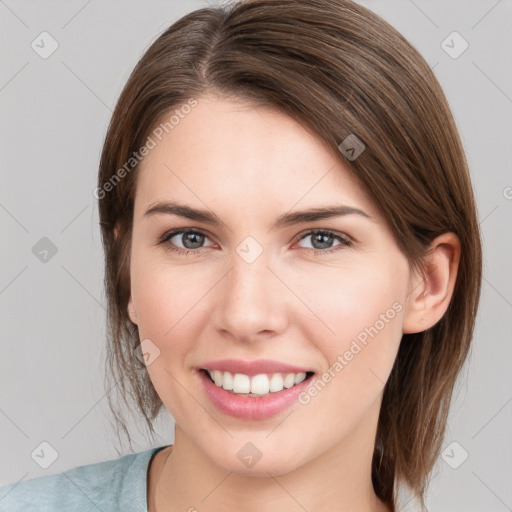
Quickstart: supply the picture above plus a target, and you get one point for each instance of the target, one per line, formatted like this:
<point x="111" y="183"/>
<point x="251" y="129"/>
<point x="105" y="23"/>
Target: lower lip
<point x="251" y="408"/>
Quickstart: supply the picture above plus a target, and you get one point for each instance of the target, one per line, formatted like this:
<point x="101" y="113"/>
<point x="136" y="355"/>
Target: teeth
<point x="241" y="383"/>
<point x="289" y="380"/>
<point x="258" y="385"/>
<point x="227" y="381"/>
<point x="276" y="382"/>
<point x="217" y="377"/>
<point x="299" y="377"/>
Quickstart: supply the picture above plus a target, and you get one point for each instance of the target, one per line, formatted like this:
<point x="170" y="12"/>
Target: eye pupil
<point x="323" y="239"/>
<point x="195" y="238"/>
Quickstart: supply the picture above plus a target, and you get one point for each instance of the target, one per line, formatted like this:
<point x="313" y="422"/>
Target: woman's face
<point x="248" y="289"/>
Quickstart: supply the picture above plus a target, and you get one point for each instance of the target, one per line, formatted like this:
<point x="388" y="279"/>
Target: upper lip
<point x="252" y="367"/>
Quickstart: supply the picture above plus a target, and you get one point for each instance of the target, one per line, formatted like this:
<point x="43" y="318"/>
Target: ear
<point x="431" y="293"/>
<point x="131" y="311"/>
<point x="131" y="308"/>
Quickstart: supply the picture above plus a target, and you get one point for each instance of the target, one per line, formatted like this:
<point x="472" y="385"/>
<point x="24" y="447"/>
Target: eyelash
<point x="344" y="241"/>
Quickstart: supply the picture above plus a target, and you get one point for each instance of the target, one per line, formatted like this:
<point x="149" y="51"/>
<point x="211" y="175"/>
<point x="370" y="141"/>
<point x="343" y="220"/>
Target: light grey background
<point x="55" y="112"/>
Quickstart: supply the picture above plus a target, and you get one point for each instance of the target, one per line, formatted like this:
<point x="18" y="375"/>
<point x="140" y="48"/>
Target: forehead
<point x="224" y="151"/>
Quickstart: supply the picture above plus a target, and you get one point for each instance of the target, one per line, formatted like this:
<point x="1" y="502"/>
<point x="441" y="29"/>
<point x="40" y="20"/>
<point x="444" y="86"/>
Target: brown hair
<point x="339" y="69"/>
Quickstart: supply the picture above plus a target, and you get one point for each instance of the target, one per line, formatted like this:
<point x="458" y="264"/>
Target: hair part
<point x="338" y="69"/>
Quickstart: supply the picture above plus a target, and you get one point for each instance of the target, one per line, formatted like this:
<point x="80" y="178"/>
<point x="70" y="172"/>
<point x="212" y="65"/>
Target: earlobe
<point x="431" y="293"/>
<point x="131" y="311"/>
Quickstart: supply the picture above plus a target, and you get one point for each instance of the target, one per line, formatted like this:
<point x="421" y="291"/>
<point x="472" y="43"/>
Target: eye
<point x="322" y="241"/>
<point x="191" y="241"/>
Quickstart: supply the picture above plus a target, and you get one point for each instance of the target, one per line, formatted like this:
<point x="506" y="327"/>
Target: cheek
<point x="169" y="303"/>
<point x="361" y="302"/>
<point x="364" y="308"/>
<point x="154" y="289"/>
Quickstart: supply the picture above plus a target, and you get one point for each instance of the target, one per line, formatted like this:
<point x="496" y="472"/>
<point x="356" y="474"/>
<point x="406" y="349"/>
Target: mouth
<point x="255" y="389"/>
<point x="259" y="385"/>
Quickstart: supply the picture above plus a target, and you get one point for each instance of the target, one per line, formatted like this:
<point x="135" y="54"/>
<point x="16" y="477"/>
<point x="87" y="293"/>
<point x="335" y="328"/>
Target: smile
<point x="256" y="385"/>
<point x="263" y="392"/>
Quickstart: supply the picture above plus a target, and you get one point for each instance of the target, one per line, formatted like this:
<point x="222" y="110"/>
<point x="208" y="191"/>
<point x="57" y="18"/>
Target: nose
<point x="251" y="301"/>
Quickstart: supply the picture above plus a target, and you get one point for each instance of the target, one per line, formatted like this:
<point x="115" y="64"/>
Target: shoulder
<point x="117" y="484"/>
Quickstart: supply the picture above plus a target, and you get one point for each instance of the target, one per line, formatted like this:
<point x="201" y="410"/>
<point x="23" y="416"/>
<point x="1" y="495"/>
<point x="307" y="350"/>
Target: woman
<point x="293" y="265"/>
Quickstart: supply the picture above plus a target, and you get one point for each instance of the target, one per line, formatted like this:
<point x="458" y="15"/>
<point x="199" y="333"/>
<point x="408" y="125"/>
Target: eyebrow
<point x="286" y="219"/>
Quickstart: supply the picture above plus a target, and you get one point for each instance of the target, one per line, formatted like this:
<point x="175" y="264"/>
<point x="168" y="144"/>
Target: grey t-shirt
<point x="114" y="485"/>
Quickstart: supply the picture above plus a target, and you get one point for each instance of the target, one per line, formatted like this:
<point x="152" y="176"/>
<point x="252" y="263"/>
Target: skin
<point x="248" y="165"/>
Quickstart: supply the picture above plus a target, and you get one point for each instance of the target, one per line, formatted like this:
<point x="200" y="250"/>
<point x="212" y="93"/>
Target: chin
<point x="257" y="459"/>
